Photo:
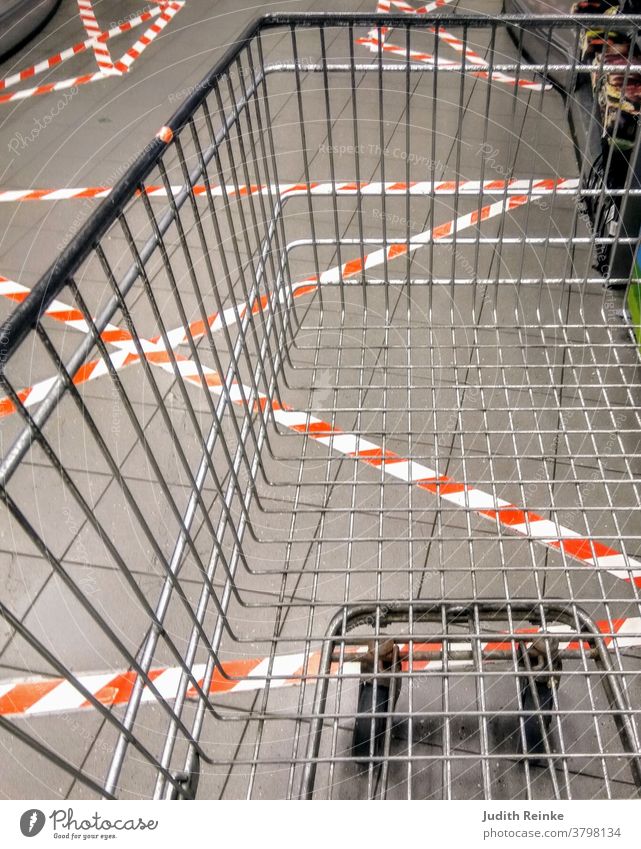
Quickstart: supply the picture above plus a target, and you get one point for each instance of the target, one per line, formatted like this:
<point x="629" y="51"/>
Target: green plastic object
<point x="633" y="299"/>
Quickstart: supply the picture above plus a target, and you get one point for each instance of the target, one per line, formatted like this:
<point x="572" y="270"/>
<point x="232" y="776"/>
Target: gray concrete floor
<point x="527" y="390"/>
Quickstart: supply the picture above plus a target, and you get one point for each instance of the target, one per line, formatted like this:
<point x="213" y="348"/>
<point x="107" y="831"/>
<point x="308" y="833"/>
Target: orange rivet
<point x="165" y="134"/>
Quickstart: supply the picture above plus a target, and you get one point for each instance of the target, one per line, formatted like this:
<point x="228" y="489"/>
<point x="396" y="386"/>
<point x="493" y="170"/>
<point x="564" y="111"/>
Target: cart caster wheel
<point x="361" y="739"/>
<point x="537" y="692"/>
<point x="536" y="728"/>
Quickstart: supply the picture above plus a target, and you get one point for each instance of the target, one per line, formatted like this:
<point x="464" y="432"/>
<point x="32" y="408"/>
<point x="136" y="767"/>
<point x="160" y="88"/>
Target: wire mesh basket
<point x="320" y="442"/>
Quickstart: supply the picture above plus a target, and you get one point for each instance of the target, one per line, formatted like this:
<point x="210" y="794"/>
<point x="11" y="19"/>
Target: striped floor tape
<point x="383" y="7"/>
<point x="349" y="188"/>
<point x="457" y="44"/>
<point x="62" y="85"/>
<point x="155" y="350"/>
<point x="119" y="360"/>
<point x="372" y="42"/>
<point x="100" y="49"/>
<point x="422" y="10"/>
<point x="169" y="10"/>
<point x="165" y="14"/>
<point x="413" y="55"/>
<point x="71" y="316"/>
<point x="504" y="515"/>
<point x="41" y="696"/>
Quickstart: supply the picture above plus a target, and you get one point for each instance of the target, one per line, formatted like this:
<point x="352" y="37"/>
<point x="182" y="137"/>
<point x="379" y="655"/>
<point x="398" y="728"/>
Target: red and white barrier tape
<point x="70" y="316"/>
<point x="474" y="58"/>
<point x="129" y="57"/>
<point x="62" y="85"/>
<point x="100" y="49"/>
<point x="470" y="56"/>
<point x="442" y="231"/>
<point x="413" y="55"/>
<point x="120" y="66"/>
<point x="383" y="7"/>
<point x="81" y="46"/>
<point x="349" y="188"/>
<point x="422" y="10"/>
<point x="157" y="354"/>
<point x="41" y="696"/>
<point x="457" y="44"/>
<point x="507" y="516"/>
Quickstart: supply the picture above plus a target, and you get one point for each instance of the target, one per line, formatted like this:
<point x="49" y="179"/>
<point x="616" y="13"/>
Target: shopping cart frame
<point x="61" y="275"/>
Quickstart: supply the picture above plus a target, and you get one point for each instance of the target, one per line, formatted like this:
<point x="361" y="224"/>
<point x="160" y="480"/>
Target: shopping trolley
<point x="320" y="441"/>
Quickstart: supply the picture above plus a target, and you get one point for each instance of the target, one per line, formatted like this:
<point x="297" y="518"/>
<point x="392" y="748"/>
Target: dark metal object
<point x="541" y="661"/>
<point x="186" y="786"/>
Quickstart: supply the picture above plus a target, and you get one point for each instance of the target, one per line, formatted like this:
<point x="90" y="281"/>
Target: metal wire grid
<point x="192" y="528"/>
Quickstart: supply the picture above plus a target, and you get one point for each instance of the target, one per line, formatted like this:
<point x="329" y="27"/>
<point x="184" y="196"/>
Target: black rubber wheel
<point x="361" y="740"/>
<point x="535" y="724"/>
